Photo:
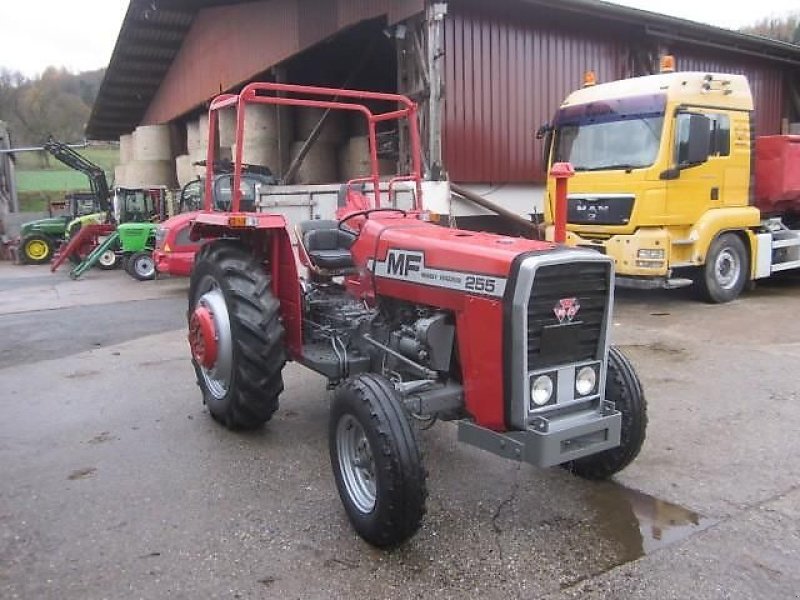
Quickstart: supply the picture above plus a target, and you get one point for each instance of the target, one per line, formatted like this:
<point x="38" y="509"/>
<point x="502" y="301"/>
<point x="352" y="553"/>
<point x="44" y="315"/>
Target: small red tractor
<point x="406" y="318"/>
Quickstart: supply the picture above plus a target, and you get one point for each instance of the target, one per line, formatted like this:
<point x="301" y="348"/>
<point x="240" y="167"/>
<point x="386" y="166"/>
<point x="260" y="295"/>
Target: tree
<point x="784" y="29"/>
<point x="56" y="103"/>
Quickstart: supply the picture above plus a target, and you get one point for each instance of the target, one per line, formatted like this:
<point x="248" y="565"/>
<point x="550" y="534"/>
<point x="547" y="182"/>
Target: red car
<point x="174" y="253"/>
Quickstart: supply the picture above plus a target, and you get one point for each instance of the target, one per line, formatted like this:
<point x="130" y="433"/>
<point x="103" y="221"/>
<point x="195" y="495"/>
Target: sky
<point x="80" y="34"/>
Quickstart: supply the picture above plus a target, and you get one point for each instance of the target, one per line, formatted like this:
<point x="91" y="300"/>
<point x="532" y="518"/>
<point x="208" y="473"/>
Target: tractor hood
<point x="411" y="251"/>
<point x="49" y="225"/>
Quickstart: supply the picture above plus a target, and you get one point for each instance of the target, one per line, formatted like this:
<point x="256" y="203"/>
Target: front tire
<point x="239" y="362"/>
<point x="108" y="260"/>
<point x="37" y="249"/>
<point x="141" y="266"/>
<point x="376" y="461"/>
<point x="726" y="272"/>
<point x="624" y="389"/>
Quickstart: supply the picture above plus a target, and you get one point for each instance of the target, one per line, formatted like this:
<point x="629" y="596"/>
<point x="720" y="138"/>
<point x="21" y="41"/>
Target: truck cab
<point x="662" y="179"/>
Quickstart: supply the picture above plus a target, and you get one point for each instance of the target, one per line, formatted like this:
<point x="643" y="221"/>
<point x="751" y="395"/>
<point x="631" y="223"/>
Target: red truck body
<point x="777" y="174"/>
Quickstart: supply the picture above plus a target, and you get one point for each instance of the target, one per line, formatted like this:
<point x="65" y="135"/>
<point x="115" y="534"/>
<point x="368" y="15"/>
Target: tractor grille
<point x="589" y="283"/>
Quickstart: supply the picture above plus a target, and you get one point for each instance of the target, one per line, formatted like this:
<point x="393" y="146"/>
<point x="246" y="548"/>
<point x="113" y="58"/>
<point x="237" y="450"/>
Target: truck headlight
<point x="586" y="380"/>
<point x="650" y="254"/>
<point x="542" y="390"/>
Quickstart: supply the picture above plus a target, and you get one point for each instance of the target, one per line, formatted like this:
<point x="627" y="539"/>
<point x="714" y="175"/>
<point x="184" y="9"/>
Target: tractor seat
<point x="327" y="246"/>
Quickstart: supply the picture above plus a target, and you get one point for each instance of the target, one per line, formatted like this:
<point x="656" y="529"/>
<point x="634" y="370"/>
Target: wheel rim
<point x="217" y="376"/>
<point x="727" y="268"/>
<point x="356" y="463"/>
<point x="107" y="258"/>
<point x="36" y="249"/>
<point x="144" y="266"/>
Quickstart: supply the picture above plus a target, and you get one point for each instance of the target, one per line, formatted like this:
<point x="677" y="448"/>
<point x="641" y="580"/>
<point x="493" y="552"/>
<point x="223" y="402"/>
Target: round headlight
<point x="541" y="390"/>
<point x="585" y="381"/>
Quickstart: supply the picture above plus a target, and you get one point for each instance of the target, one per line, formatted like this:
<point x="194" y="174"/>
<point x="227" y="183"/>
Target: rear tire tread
<point x="257" y="335"/>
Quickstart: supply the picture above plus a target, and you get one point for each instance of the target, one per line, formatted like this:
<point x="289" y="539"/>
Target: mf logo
<point x="402" y="262"/>
<point x="566" y="309"/>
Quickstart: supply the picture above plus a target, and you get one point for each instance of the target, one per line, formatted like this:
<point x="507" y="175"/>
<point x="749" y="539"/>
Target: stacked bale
<point x="184" y="169"/>
<point x="354" y="158"/>
<point x="125" y="158"/>
<point x="319" y="164"/>
<point x="227" y="127"/>
<point x="125" y="148"/>
<point x="152" y="158"/>
<point x="261" y="145"/>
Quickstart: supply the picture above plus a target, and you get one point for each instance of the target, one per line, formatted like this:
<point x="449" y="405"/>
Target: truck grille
<point x="581" y="339"/>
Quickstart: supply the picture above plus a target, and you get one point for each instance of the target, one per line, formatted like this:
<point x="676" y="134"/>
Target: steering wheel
<point x="367" y="213"/>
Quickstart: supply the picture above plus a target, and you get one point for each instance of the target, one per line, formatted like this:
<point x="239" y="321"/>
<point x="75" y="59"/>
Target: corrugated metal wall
<point x="507" y="71"/>
<point x="506" y="76"/>
<point x="766" y="83"/>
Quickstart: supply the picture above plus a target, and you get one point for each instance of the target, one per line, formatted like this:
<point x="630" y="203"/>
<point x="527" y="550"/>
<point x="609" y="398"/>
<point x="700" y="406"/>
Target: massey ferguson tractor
<point x="408" y="321"/>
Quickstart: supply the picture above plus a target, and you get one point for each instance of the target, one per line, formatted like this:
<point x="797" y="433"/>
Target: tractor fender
<point x="740" y="219"/>
<point x="266" y="235"/>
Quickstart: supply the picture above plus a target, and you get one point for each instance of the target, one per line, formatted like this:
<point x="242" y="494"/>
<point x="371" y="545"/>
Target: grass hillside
<point x="38" y="186"/>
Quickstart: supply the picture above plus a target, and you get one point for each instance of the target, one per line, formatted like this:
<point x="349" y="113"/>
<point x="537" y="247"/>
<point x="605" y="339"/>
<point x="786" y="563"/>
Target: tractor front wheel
<point x="376" y="461"/>
<point x="141" y="266"/>
<point x="624" y="389"/>
<point x="236" y="335"/>
<point x="108" y="260"/>
<point x="37" y="249"/>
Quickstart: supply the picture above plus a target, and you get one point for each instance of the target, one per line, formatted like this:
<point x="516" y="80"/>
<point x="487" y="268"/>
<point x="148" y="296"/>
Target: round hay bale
<point x="150" y="173"/>
<point x="354" y="158"/>
<point x="184" y="169"/>
<point x="260" y="121"/>
<point x="264" y="152"/>
<point x="125" y="148"/>
<point x="192" y="136"/>
<point x="318" y="166"/>
<point x="306" y="120"/>
<point x="152" y="142"/>
<point x="120" y="172"/>
<point x="227" y="127"/>
<point x="202" y="132"/>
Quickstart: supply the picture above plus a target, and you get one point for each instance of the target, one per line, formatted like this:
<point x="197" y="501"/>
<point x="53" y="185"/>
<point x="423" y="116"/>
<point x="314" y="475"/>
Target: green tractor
<point x="39" y="239"/>
<point x="137" y="212"/>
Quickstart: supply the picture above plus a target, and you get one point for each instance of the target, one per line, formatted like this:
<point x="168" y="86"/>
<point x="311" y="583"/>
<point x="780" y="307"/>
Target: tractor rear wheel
<point x="624" y="389"/>
<point x="141" y="265"/>
<point x="236" y="335"/>
<point x="37" y="249"/>
<point x="376" y="461"/>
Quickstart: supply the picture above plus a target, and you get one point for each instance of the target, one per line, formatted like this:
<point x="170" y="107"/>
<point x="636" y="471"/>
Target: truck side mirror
<point x="694" y="139"/>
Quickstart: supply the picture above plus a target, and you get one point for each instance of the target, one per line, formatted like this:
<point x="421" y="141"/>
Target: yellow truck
<point x="671" y="182"/>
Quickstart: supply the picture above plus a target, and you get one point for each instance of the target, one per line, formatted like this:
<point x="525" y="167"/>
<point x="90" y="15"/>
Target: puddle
<point x="638" y="523"/>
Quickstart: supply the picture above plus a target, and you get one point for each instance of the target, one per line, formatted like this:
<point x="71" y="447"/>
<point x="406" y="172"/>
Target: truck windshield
<point x="616" y="134"/>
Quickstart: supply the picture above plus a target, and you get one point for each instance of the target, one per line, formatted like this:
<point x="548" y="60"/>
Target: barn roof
<point x="154" y="30"/>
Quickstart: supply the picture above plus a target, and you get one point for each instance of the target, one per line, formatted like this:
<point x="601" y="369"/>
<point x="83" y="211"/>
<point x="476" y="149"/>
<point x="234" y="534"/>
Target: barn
<point x="485" y="74"/>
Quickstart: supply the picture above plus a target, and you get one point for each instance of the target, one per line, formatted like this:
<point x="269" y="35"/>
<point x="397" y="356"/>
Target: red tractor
<point x="406" y="319"/>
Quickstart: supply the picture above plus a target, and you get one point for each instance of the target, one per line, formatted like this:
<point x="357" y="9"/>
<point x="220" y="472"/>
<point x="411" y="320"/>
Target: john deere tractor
<point x="39" y="239"/>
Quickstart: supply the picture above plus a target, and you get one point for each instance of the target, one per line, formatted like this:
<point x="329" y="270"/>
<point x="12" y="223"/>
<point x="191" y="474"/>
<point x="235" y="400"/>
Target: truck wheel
<point x="726" y="271"/>
<point x="37" y="249"/>
<point x="108" y="260"/>
<point x="624" y="389"/>
<point x="376" y="461"/>
<point x="141" y="266"/>
<point x="236" y="336"/>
